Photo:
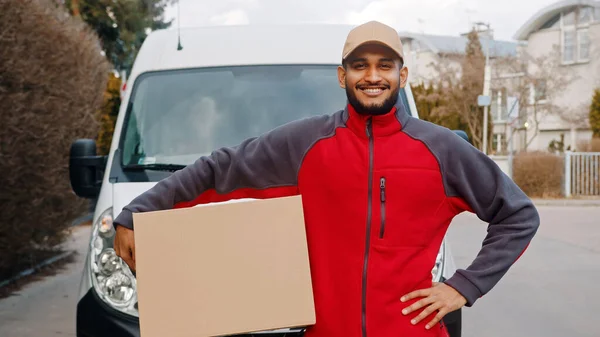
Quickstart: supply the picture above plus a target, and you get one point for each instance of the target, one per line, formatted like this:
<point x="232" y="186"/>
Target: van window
<point x="175" y="117"/>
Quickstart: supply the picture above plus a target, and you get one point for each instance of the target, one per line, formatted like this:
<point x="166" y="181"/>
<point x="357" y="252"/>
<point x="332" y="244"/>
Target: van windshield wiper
<point x="155" y="167"/>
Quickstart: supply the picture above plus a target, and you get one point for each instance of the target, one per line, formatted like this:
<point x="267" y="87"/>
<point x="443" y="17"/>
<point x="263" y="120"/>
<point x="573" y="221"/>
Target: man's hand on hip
<point x="440" y="297"/>
<point x="125" y="246"/>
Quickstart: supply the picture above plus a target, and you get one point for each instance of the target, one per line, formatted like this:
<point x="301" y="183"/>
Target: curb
<point x="49" y="261"/>
<point x="36" y="268"/>
<point x="567" y="202"/>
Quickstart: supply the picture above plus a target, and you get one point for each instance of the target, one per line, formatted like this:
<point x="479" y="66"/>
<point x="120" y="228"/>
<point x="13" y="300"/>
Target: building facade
<point x="542" y="83"/>
<point x="570" y="32"/>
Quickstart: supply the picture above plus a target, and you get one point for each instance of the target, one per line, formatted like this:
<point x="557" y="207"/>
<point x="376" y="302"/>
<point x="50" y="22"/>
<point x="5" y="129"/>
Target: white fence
<point x="582" y="174"/>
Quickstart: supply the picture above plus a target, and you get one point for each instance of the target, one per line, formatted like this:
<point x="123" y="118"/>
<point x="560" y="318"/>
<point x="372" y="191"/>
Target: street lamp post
<point x="486" y="86"/>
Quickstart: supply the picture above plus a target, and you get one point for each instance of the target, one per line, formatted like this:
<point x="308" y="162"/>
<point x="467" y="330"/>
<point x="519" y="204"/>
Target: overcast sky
<point x="442" y="17"/>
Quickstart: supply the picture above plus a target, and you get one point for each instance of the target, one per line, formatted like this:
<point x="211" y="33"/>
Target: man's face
<point x="372" y="79"/>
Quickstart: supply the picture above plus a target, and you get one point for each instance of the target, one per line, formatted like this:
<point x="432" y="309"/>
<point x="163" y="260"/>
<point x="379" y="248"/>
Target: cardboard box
<point x="223" y="269"/>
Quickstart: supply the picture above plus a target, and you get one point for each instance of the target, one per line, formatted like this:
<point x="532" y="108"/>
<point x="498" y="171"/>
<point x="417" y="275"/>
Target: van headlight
<point x="112" y="279"/>
<point x="436" y="272"/>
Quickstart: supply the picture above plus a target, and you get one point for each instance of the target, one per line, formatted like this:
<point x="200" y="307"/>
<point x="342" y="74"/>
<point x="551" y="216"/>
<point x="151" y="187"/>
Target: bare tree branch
<point x="537" y="83"/>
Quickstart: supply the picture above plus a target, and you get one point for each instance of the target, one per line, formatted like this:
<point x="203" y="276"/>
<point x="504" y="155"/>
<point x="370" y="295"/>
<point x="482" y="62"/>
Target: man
<point x="379" y="190"/>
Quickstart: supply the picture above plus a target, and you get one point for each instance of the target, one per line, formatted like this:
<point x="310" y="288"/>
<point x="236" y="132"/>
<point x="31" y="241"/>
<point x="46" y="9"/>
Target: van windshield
<point x="175" y="117"/>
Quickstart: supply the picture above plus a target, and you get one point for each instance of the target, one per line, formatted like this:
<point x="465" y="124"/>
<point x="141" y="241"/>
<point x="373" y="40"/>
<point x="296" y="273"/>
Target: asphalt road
<point x="552" y="291"/>
<point x="554" y="288"/>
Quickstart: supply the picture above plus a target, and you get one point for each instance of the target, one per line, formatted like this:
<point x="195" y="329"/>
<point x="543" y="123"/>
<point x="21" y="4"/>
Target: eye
<point x="359" y="66"/>
<point x="386" y="66"/>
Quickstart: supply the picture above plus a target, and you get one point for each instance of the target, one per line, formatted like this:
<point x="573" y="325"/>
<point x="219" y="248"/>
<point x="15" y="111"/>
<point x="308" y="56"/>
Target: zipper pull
<point x="382" y="188"/>
<point x="368" y="127"/>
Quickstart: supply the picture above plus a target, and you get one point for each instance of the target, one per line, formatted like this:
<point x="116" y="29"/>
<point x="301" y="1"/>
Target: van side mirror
<point x="86" y="169"/>
<point x="462" y="135"/>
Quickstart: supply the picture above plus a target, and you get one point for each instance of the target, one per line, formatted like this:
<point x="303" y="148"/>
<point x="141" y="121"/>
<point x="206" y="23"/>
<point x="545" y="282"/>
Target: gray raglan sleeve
<point x="475" y="183"/>
<point x="270" y="160"/>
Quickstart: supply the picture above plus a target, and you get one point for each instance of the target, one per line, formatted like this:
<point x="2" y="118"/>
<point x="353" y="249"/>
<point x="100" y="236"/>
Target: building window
<point x="499" y="145"/>
<point x="575" y="34"/>
<point x="569" y="45"/>
<point x="583" y="36"/>
<point x="498" y="105"/>
<point x="586" y="15"/>
<point x="540" y="90"/>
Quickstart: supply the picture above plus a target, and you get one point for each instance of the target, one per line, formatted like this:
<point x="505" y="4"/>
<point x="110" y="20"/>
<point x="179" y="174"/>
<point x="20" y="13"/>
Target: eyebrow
<point x="358" y="60"/>
<point x="385" y="59"/>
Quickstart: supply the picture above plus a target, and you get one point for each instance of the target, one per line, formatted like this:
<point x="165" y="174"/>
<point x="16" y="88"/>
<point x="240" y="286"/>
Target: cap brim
<point x="376" y="42"/>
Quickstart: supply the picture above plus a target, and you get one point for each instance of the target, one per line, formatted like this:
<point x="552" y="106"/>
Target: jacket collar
<point x="382" y="125"/>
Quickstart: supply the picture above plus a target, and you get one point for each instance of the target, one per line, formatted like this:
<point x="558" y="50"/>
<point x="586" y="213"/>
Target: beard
<point x="373" y="109"/>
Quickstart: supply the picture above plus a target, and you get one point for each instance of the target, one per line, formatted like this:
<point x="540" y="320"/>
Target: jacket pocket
<point x="382" y="206"/>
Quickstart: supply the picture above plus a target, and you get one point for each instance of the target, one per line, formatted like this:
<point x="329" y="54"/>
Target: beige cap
<point x="373" y="32"/>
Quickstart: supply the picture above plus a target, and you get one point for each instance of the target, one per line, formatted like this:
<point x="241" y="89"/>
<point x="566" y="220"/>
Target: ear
<point x="342" y="77"/>
<point x="403" y="77"/>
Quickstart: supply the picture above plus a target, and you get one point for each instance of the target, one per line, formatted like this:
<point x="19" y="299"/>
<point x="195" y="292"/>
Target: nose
<point x="373" y="75"/>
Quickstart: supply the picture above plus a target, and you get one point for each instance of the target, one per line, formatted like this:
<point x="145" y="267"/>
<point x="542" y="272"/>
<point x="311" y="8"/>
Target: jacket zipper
<point x="382" y="199"/>
<point x="369" y="131"/>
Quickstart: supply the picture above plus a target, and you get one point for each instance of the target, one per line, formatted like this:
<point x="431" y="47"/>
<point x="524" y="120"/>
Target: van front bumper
<point x="96" y="319"/>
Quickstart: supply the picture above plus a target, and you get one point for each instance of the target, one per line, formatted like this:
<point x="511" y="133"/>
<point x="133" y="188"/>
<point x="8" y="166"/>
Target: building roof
<point x="457" y="44"/>
<point x="542" y="16"/>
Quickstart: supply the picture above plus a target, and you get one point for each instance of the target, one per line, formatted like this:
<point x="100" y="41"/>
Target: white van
<point x="224" y="85"/>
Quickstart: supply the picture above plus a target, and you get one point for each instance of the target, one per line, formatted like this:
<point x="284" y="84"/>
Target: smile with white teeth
<point x="372" y="91"/>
